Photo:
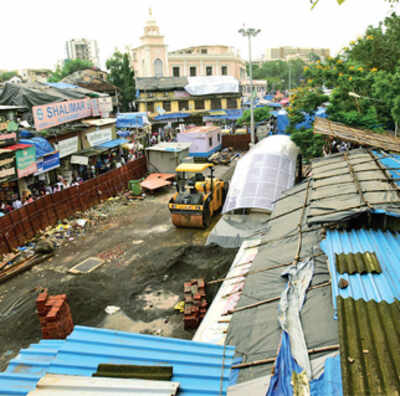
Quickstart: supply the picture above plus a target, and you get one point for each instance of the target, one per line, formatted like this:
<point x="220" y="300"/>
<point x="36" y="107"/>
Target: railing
<point x="19" y="226"/>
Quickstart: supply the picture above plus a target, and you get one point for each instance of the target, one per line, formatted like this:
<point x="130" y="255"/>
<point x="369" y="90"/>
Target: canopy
<point x="132" y="120"/>
<point x="188" y="167"/>
<point x="124" y="133"/>
<point x="43" y="147"/>
<point x="171" y="116"/>
<point x="112" y="143"/>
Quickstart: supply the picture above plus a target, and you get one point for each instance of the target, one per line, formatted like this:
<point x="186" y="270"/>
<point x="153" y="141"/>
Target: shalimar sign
<point x="52" y="114"/>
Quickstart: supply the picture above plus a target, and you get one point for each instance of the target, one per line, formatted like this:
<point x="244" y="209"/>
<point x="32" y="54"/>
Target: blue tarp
<point x="62" y="85"/>
<point x="330" y="381"/>
<point x="43" y="147"/>
<point x="309" y="118"/>
<point x="112" y="143"/>
<point x="280" y="384"/>
<point x="25" y="134"/>
<point x="131" y="120"/>
<point x="124" y="133"/>
<point x="171" y="116"/>
<point x="269" y="97"/>
<point x="274" y="105"/>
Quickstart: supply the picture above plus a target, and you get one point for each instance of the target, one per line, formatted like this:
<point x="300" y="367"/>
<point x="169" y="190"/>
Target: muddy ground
<point x="146" y="261"/>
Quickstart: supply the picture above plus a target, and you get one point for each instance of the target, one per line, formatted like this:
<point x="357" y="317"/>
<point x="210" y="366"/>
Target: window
<point x="158" y="67"/>
<point x="219" y="138"/>
<point x="167" y="106"/>
<point x="210" y="141"/>
<point x="183" y="105"/>
<point x="192" y="71"/>
<point x="224" y="70"/>
<point x="176" y="71"/>
<point x="204" y="50"/>
<point x="231" y="103"/>
<point x="215" y="104"/>
<point x="208" y="70"/>
<point x="199" y="104"/>
<point x="150" y="107"/>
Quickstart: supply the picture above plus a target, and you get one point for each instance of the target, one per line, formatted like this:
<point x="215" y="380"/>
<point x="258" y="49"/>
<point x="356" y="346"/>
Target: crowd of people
<point x="81" y="173"/>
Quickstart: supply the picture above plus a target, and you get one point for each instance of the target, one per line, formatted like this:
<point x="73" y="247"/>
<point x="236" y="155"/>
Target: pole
<point x="252" y="134"/>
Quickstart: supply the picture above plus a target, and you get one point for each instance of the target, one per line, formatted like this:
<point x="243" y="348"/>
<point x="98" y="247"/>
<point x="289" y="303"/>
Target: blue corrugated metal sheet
<point x="198" y="367"/>
<point x="390" y="161"/>
<point x="378" y="287"/>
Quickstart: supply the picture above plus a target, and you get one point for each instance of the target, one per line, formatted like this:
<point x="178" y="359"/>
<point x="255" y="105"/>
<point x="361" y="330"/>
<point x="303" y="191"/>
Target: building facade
<point x="83" y="49"/>
<point x="168" y="95"/>
<point x="152" y="59"/>
<point x="286" y="53"/>
<point x="34" y="75"/>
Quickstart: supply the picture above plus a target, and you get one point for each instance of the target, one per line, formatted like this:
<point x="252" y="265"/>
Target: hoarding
<point x="52" y="114"/>
<point x="47" y="163"/>
<point x="99" y="137"/>
<point x="79" y="160"/>
<point x="26" y="161"/>
<point x="67" y="146"/>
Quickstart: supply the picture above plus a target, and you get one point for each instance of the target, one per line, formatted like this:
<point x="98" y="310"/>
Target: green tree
<point x="5" y="76"/>
<point x="260" y="114"/>
<point x="122" y="76"/>
<point x="315" y="2"/>
<point x="70" y="66"/>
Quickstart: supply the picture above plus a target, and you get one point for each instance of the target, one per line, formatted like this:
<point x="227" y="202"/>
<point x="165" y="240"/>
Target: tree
<point x="122" y="76"/>
<point x="260" y="114"/>
<point x="315" y="2"/>
<point x="70" y="66"/>
<point x="5" y="76"/>
<point x="277" y="73"/>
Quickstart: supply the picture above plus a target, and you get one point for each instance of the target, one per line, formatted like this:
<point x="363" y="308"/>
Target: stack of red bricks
<point x="195" y="303"/>
<point x="54" y="315"/>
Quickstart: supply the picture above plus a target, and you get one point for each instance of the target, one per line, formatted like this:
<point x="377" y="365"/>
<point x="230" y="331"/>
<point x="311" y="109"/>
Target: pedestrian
<point x="17" y="203"/>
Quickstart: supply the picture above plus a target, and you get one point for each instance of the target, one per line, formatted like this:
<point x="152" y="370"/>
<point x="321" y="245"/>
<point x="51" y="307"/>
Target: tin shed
<point x="204" y="140"/>
<point x="165" y="157"/>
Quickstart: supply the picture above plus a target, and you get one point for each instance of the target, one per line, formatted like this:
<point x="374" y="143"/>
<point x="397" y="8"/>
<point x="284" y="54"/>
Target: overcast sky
<point x="33" y="33"/>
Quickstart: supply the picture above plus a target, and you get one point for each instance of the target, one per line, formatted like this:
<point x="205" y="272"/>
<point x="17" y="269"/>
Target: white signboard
<point x="105" y="105"/>
<point x="99" y="137"/>
<point x="79" y="160"/>
<point x="67" y="146"/>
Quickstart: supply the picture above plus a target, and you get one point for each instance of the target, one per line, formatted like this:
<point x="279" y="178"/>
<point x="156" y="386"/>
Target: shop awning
<point x="112" y="143"/>
<point x="16" y="147"/>
<point x="171" y="116"/>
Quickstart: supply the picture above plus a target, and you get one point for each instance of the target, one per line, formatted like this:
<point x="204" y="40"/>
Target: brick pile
<point x="54" y="315"/>
<point x="195" y="303"/>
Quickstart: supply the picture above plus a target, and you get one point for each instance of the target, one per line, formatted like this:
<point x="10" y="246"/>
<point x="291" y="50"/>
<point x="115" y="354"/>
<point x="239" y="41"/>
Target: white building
<point x="83" y="49"/>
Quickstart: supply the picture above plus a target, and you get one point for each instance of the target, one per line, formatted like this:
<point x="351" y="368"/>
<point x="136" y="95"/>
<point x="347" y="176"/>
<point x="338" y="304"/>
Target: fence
<point x="238" y="142"/>
<point x="19" y="226"/>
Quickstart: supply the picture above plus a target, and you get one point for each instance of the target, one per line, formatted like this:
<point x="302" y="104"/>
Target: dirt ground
<point x="146" y="262"/>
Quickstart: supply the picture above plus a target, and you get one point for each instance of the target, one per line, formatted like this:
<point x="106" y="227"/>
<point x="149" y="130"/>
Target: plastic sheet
<point x="212" y="85"/>
<point x="43" y="147"/>
<point x="262" y="174"/>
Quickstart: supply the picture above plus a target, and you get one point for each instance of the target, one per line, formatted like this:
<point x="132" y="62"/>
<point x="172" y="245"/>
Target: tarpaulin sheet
<point x="131" y="120"/>
<point x="43" y="147"/>
<point x="171" y="116"/>
<point x="112" y="143"/>
<point x="209" y="85"/>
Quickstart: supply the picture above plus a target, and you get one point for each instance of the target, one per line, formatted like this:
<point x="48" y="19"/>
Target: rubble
<point x="195" y="307"/>
<point x="223" y="157"/>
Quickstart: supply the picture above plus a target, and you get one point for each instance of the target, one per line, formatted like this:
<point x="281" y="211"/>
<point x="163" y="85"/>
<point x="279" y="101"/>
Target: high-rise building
<point x="83" y="49"/>
<point x="286" y="53"/>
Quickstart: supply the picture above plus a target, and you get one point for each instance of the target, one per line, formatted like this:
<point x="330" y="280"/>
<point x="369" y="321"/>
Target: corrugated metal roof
<point x="369" y="347"/>
<point x="160" y="83"/>
<point x="357" y="263"/>
<point x="392" y="162"/>
<point x="378" y="287"/>
<point x="51" y="385"/>
<point x="198" y="367"/>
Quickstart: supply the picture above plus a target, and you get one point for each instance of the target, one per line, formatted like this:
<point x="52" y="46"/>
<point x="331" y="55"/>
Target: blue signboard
<point x="48" y="162"/>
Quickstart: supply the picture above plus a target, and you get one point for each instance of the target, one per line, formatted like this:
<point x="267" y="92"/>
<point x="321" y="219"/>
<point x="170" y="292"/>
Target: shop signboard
<point x="52" y="114"/>
<point x="79" y="160"/>
<point x="47" y="163"/>
<point x="105" y="105"/>
<point x="99" y="137"/>
<point x="94" y="107"/>
<point x="67" y="146"/>
<point x="26" y="161"/>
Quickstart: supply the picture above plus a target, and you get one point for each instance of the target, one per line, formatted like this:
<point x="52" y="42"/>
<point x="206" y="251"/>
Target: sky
<point x="33" y="33"/>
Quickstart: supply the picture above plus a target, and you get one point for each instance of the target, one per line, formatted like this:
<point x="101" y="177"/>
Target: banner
<point x="67" y="146"/>
<point x="79" y="160"/>
<point x="52" y="114"/>
<point x="105" y="105"/>
<point x="47" y="163"/>
<point x="26" y="161"/>
<point x="99" y="137"/>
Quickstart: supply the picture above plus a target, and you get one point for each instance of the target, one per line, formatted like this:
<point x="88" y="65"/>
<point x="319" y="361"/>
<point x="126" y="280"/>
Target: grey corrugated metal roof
<point x="369" y="347"/>
<point x="160" y="83"/>
<point x="360" y="263"/>
<point x="64" y="385"/>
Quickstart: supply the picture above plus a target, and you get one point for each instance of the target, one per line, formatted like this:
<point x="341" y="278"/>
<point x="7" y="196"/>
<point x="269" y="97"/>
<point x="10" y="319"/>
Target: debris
<point x="44" y="246"/>
<point x="111" y="309"/>
<point x="350" y="360"/>
<point x="365" y="351"/>
<point x="180" y="306"/>
<point x="343" y="283"/>
<point x="223" y="157"/>
<point x="81" y="222"/>
<point x="86" y="266"/>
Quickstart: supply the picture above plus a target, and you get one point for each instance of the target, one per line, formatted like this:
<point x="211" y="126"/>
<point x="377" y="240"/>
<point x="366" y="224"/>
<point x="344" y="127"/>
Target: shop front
<point x="67" y="148"/>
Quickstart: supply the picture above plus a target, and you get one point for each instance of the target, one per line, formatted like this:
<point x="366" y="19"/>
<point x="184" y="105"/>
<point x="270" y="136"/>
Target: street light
<point x="250" y="32"/>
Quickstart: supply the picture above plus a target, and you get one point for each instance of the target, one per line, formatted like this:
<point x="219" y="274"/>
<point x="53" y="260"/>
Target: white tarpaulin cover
<point x="260" y="177"/>
<point x="212" y="85"/>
